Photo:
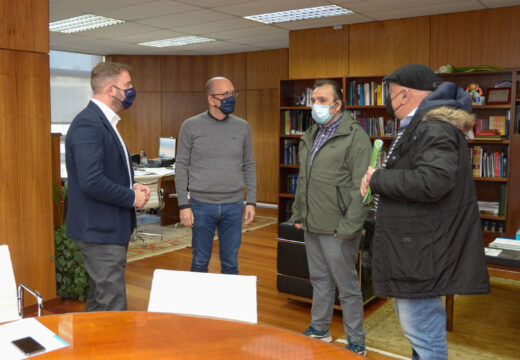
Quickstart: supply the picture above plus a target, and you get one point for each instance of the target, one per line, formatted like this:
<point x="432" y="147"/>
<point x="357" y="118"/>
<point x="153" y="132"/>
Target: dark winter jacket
<point x="428" y="237"/>
<point x="328" y="200"/>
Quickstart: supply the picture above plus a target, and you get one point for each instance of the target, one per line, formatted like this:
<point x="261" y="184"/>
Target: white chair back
<point x="154" y="183"/>
<point x="215" y="295"/>
<point x="8" y="294"/>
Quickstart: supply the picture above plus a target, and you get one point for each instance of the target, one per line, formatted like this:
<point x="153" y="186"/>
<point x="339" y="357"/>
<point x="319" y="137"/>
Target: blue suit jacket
<point x="100" y="201"/>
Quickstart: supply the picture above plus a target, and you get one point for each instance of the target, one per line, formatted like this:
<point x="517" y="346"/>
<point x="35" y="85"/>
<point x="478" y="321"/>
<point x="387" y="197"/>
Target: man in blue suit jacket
<point x="102" y="194"/>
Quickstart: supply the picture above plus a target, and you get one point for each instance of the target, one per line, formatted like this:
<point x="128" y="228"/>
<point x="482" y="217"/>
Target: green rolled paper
<point x="378" y="145"/>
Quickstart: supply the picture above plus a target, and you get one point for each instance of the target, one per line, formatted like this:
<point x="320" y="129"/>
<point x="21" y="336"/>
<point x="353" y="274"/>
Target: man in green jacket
<point x="333" y="155"/>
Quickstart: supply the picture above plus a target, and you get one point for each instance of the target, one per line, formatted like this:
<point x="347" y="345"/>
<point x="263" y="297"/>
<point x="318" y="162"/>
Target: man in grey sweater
<point x="214" y="163"/>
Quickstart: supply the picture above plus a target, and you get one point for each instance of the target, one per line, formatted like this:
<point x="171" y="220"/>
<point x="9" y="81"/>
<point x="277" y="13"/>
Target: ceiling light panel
<point x="82" y="23"/>
<point x="299" y="14"/>
<point x="179" y="41"/>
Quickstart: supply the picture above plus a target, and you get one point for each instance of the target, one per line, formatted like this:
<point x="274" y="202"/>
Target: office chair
<point x="216" y="295"/>
<point x="11" y="295"/>
<point x="155" y="202"/>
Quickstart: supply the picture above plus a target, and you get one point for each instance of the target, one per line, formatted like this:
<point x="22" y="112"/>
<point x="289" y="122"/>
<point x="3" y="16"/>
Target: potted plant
<point x="71" y="276"/>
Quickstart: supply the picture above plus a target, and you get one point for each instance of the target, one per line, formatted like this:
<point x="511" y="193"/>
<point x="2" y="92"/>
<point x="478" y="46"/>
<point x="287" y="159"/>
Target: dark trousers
<point x="105" y="265"/>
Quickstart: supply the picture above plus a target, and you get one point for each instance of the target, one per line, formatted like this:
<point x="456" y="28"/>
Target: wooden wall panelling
<point x="146" y="71"/>
<point x="24" y="25"/>
<point x="266" y="68"/>
<point x="322" y="52"/>
<point x="231" y="66"/>
<point x="184" y="73"/>
<point x="477" y="38"/>
<point x="378" y="48"/>
<point x="10" y="138"/>
<point x="26" y="214"/>
<point x="262" y="115"/>
<point x="140" y="125"/>
<point x="177" y="107"/>
<point x="56" y="173"/>
<point x="34" y="117"/>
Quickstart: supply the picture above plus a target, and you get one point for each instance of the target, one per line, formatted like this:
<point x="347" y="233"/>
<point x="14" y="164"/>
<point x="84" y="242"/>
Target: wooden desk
<point x="170" y="212"/>
<point x="143" y="335"/>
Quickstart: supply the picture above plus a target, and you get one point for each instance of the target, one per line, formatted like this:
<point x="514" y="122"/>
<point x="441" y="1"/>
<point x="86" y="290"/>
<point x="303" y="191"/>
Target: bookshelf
<point x="495" y="182"/>
<point x="490" y="185"/>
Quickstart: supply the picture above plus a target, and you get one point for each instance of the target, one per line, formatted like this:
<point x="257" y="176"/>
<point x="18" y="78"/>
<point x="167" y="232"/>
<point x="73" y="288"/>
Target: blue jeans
<point x="227" y="220"/>
<point x="424" y="324"/>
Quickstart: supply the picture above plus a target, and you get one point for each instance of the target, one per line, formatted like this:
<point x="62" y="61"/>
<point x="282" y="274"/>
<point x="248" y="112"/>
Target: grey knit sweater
<point x="215" y="160"/>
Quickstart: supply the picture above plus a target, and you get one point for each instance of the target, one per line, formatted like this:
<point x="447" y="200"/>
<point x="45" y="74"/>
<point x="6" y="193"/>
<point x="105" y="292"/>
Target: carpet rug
<point x="485" y="327"/>
<point x="175" y="237"/>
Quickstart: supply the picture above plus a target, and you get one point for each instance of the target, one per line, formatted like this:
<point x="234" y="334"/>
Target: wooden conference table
<point x="144" y="335"/>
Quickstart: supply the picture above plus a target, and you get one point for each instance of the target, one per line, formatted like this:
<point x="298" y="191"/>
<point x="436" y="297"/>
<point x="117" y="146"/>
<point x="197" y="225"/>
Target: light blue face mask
<point x="321" y="114"/>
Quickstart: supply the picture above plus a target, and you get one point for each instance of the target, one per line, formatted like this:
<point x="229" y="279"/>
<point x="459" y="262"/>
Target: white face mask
<point x="321" y="113"/>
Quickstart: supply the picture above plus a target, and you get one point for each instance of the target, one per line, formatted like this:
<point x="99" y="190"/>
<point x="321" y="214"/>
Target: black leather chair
<point x="293" y="271"/>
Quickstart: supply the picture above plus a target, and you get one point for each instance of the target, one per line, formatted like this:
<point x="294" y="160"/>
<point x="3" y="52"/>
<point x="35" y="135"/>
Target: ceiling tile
<point x="93" y="6"/>
<point x="217" y="26"/>
<point x="60" y="13"/>
<point x="185" y="19"/>
<point x="127" y="28"/>
<point x="499" y="3"/>
<point x="148" y="10"/>
<point x="150" y="36"/>
<point x="252" y="31"/>
<point x="212" y="3"/>
<point x="266" y="6"/>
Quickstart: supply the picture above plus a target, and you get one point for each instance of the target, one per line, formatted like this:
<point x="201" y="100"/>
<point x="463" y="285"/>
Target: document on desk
<point x="23" y="328"/>
<point x="153" y="172"/>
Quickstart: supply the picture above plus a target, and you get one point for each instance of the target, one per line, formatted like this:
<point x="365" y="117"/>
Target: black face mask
<point x="388" y="102"/>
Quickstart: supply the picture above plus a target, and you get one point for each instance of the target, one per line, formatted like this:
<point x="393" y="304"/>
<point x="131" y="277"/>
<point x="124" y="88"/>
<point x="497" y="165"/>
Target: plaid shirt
<point x="323" y="135"/>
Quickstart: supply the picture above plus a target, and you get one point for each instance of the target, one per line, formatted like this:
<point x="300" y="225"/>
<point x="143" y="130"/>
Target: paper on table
<point x="492" y="252"/>
<point x="23" y="328"/>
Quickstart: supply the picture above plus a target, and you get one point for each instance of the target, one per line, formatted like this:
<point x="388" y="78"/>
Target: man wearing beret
<point x="428" y="238"/>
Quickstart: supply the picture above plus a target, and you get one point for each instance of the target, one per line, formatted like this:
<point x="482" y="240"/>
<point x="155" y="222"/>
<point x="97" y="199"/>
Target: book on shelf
<point x="295" y="121"/>
<point x="368" y="93"/>
<point x="488" y="207"/>
<point x="496" y="226"/>
<point x="487" y="163"/>
<point x="292" y="183"/>
<point x="290" y="151"/>
<point x="502" y="199"/>
<point x="493" y="128"/>
<point x="288" y="209"/>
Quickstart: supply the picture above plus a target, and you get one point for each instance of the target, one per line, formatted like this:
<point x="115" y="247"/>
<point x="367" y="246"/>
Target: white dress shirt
<point x="113" y="118"/>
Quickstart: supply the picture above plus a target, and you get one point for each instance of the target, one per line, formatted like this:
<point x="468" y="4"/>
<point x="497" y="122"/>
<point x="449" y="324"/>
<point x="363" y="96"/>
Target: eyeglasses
<point x="226" y="94"/>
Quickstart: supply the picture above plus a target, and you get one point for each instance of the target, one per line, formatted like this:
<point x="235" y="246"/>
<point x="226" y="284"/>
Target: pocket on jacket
<point x="411" y="251"/>
<point x="341" y="203"/>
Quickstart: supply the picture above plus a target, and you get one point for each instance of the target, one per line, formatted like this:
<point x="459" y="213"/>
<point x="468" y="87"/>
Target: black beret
<point x="414" y="76"/>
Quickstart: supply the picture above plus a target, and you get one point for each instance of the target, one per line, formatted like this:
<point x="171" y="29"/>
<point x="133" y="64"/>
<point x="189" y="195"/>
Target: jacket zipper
<point x="308" y="177"/>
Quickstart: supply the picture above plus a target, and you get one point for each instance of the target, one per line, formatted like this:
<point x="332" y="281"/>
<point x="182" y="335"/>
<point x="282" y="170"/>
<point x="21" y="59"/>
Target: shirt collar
<point x="406" y="121"/>
<point x="333" y="124"/>
<point x="112" y="116"/>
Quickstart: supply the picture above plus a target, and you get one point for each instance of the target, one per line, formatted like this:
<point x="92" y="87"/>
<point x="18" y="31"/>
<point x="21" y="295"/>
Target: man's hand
<point x="249" y="214"/>
<point x="187" y="217"/>
<point x="143" y="188"/>
<point x="140" y="199"/>
<point x="298" y="226"/>
<point x="365" y="182"/>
